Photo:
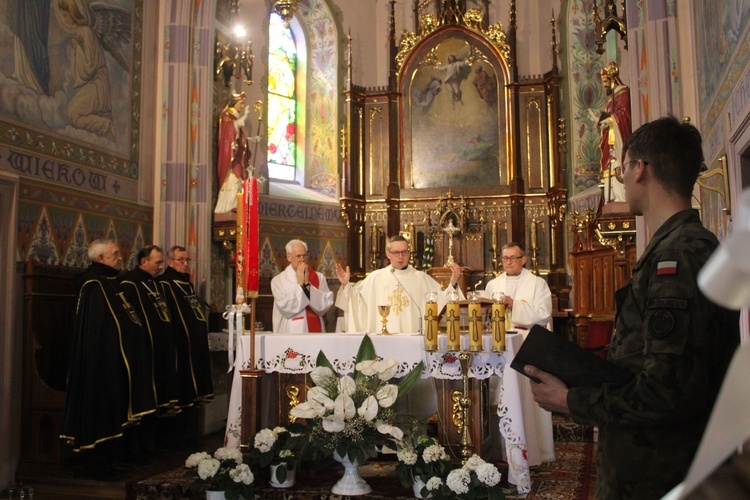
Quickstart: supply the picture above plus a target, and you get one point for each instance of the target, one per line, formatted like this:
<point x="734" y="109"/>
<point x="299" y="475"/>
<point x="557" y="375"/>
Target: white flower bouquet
<point x="427" y="461"/>
<point x="224" y="471"/>
<point x="354" y="415"/>
<point x="280" y="445"/>
<point x="476" y="479"/>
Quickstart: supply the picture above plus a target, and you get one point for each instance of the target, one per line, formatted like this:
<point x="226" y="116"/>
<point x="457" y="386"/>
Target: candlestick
<point x="494" y="235"/>
<point x="251" y="239"/>
<point x="452" y="314"/>
<point x="533" y="234"/>
<point x="431" y="322"/>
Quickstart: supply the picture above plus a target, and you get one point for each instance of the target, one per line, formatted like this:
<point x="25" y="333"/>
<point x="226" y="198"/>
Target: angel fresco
<point x="96" y="27"/>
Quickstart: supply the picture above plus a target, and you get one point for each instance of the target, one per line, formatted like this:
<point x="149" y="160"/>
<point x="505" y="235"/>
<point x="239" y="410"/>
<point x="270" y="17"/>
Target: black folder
<point x="569" y="362"/>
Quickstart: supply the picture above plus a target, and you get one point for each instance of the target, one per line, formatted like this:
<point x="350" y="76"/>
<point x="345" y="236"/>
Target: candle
<point x="494" y="235"/>
<point x="498" y="327"/>
<point x="251" y="238"/>
<point x="431" y="326"/>
<point x="533" y="234"/>
<point x="239" y="252"/>
<point x="452" y="314"/>
<point x="475" y="326"/>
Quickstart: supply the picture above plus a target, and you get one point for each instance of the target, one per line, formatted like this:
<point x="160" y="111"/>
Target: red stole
<point x="313" y="320"/>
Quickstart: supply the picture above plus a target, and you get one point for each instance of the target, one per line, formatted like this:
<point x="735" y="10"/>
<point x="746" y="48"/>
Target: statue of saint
<point x="234" y="152"/>
<point x="615" y="126"/>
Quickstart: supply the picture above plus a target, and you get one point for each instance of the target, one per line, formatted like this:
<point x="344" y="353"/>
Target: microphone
<point x="393" y="272"/>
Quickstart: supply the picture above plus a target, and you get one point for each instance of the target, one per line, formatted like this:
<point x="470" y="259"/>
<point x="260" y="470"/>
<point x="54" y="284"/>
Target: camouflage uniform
<point x="678" y="345"/>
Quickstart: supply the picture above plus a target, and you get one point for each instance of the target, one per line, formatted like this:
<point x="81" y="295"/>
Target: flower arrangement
<point x="476" y="479"/>
<point x="353" y="415"/>
<point x="280" y="445"/>
<point x="427" y="462"/>
<point x="224" y="471"/>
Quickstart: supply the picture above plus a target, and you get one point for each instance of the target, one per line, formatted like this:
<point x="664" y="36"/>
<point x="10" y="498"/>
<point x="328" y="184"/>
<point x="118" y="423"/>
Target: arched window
<point x="282" y="101"/>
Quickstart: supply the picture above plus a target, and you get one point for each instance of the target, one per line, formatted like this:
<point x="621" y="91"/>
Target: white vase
<point x="215" y="495"/>
<point x="289" y="477"/>
<point x="350" y="483"/>
<point x="416" y="486"/>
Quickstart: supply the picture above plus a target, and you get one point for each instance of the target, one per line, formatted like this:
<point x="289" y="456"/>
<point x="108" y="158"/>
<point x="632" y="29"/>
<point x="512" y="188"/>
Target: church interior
<point x="461" y="125"/>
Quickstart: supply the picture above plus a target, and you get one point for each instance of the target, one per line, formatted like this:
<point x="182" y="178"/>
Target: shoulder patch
<point x="666" y="268"/>
<point x="661" y="324"/>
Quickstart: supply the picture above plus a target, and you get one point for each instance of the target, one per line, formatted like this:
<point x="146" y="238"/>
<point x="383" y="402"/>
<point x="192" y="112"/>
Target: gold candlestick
<point x="466" y="442"/>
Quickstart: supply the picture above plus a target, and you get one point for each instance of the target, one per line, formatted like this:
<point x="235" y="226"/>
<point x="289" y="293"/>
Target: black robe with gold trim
<point x="109" y="378"/>
<point x="190" y="324"/>
<point x="145" y="295"/>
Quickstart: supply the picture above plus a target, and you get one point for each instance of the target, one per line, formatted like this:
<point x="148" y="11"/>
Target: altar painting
<point x="456" y="111"/>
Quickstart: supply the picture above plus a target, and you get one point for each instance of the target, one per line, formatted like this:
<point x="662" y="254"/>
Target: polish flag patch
<point x="666" y="268"/>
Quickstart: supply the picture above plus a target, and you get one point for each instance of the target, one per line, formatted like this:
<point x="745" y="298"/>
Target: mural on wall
<point x="67" y="74"/>
<point x="586" y="94"/>
<point x="719" y="27"/>
<point x="456" y="89"/>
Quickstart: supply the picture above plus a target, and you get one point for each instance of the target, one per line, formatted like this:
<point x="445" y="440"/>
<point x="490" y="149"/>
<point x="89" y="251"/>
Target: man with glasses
<point x="190" y="323"/>
<point x="675" y="341"/>
<point x="398" y="285"/>
<point x="300" y="294"/>
<point x="528" y="300"/>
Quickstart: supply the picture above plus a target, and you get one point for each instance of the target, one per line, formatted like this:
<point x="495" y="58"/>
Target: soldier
<point x="675" y="341"/>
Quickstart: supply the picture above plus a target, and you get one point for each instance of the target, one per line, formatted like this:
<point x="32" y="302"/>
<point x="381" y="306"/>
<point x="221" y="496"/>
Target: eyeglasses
<point x="512" y="258"/>
<point x="633" y="161"/>
<point x="183" y="260"/>
<point x="402" y="253"/>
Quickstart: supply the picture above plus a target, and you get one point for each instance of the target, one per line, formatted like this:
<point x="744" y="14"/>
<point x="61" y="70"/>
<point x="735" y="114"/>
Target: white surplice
<point x="532" y="301"/>
<point x="290" y="301"/>
<point x="403" y="289"/>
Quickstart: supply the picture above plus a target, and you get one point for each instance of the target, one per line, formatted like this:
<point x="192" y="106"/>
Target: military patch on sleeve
<point x="666" y="268"/>
<point x="661" y="324"/>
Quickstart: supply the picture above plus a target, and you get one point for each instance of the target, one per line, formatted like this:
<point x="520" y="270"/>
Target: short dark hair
<point x="145" y="252"/>
<point x="515" y="244"/>
<point x="674" y="151"/>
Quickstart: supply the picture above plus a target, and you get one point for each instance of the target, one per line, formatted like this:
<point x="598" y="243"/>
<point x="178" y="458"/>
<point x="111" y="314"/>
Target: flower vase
<point x="416" y="486"/>
<point x="350" y="483"/>
<point x="289" y="477"/>
<point x="215" y="495"/>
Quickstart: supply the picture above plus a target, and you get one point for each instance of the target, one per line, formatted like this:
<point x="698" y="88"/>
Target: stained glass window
<point x="282" y="101"/>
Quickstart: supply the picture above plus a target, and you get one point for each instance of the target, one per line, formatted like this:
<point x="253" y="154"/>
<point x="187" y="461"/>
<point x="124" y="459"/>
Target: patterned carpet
<point x="564" y="479"/>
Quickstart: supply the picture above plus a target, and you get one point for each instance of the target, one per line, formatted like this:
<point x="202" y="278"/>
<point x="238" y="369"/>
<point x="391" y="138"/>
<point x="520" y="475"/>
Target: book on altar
<point x="569" y="362"/>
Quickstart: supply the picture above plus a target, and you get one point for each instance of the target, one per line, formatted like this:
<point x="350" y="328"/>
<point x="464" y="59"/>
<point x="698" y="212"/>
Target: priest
<point x="398" y="285"/>
<point x="526" y="296"/>
<point x="300" y="295"/>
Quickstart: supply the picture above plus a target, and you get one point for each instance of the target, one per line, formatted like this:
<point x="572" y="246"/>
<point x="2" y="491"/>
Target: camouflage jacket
<point x="678" y="345"/>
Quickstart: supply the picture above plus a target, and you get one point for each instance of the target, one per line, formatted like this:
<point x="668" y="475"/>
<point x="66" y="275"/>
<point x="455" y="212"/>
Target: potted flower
<point x="280" y="448"/>
<point x="223" y="472"/>
<point x="476" y="479"/>
<point x="350" y="417"/>
<point x="423" y="467"/>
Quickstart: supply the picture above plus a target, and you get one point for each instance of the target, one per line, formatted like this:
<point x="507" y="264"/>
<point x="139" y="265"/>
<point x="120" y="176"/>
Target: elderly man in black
<point x="109" y="386"/>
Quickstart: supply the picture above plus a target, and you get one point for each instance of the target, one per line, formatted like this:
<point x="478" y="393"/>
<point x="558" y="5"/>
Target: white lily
<point x="386" y="369"/>
<point x="392" y="430"/>
<point x="366" y="367"/>
<point x="320" y="373"/>
<point x="369" y="408"/>
<point x="333" y="423"/>
<point x="305" y="410"/>
<point x="387" y="395"/>
<point x="320" y="396"/>
<point x="347" y="385"/>
<point x="344" y="407"/>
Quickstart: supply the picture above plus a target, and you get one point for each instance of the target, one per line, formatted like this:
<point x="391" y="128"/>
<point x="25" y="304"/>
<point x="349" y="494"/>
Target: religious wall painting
<point x="67" y="77"/>
<point x="455" y="115"/>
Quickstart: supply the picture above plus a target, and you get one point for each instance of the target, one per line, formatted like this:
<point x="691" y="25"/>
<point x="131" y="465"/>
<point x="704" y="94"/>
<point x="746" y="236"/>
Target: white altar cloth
<point x="526" y="429"/>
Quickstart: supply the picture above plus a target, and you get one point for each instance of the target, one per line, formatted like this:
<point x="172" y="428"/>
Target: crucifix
<point x="450" y="229"/>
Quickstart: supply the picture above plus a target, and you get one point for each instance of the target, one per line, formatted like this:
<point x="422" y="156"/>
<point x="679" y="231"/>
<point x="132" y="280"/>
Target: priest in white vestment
<point x="398" y="285"/>
<point x="300" y="295"/>
<point x="527" y="296"/>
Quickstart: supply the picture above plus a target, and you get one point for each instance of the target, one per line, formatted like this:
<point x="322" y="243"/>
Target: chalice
<point x="384" y="312"/>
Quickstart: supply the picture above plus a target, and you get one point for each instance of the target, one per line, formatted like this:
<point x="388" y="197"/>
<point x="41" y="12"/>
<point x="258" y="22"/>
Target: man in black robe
<point x="144" y="293"/>
<point x="190" y="323"/>
<point x="110" y="371"/>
